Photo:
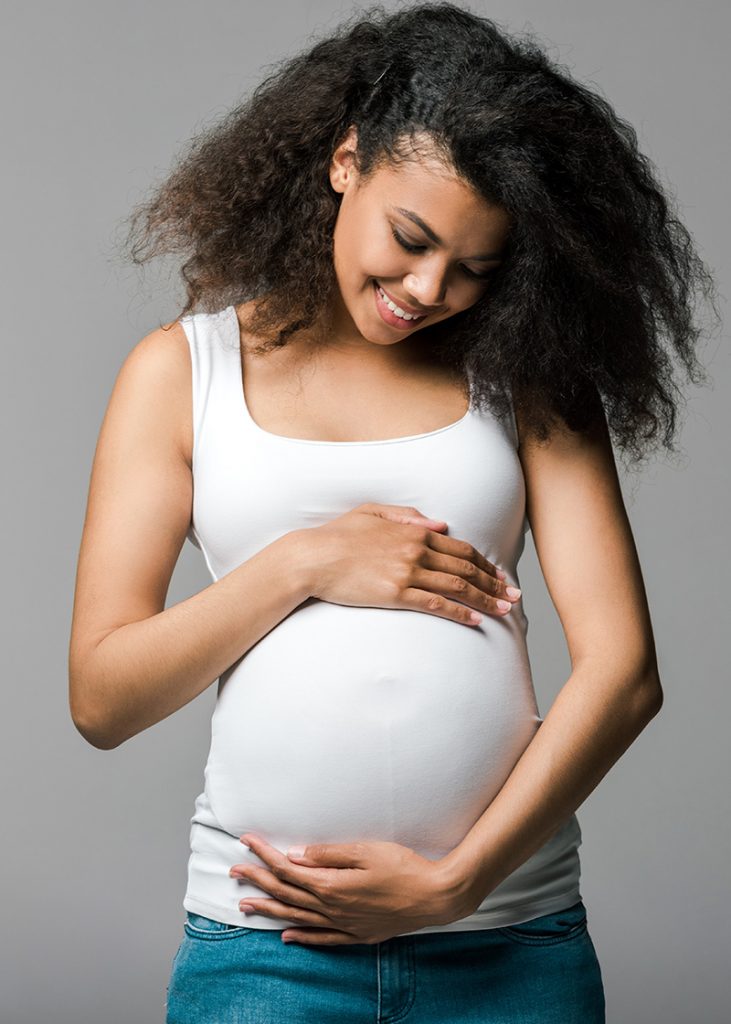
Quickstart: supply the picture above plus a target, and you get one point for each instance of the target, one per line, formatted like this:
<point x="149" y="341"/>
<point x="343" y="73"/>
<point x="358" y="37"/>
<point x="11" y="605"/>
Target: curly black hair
<point x="597" y="292"/>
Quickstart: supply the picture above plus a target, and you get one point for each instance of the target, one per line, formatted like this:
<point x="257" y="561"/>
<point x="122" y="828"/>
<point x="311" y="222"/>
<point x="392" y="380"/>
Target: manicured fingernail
<point x="296" y="851"/>
<point x="504" y="606"/>
<point x="500" y="574"/>
<point x="512" y="592"/>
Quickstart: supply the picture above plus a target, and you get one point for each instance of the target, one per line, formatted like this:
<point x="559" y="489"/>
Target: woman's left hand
<point x="364" y="892"/>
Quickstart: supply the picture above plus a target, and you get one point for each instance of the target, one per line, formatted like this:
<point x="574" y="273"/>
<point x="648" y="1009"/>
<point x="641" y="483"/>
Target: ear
<point x="341" y="165"/>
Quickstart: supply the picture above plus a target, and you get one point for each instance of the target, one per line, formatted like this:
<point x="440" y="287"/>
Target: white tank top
<point x="346" y="723"/>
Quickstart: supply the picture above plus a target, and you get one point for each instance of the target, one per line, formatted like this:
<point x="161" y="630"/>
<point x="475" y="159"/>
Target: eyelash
<point x="417" y="248"/>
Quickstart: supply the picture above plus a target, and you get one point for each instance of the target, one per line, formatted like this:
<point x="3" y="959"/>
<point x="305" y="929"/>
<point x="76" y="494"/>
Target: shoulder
<point x="586" y="550"/>
<point x="163" y="350"/>
<point x="155" y="379"/>
<point x="582" y="459"/>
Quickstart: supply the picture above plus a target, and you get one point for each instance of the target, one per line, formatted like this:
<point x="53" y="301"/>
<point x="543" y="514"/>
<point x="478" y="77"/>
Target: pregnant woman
<point x="432" y="273"/>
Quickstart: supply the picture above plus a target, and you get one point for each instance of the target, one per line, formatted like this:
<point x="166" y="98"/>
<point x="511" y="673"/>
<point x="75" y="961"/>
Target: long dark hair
<point x="594" y="304"/>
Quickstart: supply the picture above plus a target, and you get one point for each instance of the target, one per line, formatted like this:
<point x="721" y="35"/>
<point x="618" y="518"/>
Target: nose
<point x="428" y="290"/>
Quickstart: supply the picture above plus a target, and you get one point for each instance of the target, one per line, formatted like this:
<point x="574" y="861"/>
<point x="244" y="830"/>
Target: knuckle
<point x="435" y="603"/>
<point x="470" y="570"/>
<point x="325" y="887"/>
<point x="419" y="536"/>
<point x="458" y="584"/>
<point x="413" y="551"/>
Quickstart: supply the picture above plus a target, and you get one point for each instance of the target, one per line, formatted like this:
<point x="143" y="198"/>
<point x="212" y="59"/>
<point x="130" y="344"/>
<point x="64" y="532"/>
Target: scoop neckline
<point x="243" y="405"/>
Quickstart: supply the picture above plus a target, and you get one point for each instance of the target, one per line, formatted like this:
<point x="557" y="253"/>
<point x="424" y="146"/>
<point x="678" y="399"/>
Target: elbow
<point x="96" y="737"/>
<point x="651" y="692"/>
<point x="94" y="732"/>
<point x="93" y="726"/>
<point x="89" y="709"/>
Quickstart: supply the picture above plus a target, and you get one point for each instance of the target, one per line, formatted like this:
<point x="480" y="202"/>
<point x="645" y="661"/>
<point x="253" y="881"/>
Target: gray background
<point x="97" y="98"/>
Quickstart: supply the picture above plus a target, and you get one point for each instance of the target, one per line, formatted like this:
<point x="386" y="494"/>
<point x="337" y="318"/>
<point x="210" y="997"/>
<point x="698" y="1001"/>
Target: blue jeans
<point x="543" y="971"/>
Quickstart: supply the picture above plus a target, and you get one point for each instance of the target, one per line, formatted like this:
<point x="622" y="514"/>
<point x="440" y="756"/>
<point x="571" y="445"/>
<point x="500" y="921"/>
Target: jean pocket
<point x="558" y="926"/>
<point x="198" y="927"/>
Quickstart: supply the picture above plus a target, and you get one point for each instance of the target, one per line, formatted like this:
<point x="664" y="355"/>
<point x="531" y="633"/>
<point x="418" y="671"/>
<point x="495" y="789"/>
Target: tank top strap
<point x="216" y="373"/>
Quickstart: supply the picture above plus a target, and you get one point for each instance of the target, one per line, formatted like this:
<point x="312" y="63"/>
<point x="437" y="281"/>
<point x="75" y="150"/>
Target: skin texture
<point x="372" y="381"/>
<point x="433" y="280"/>
<point x="133" y="662"/>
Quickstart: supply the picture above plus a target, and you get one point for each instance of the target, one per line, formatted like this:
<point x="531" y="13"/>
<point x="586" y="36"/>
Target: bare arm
<point x="590" y="564"/>
<point x="132" y="662"/>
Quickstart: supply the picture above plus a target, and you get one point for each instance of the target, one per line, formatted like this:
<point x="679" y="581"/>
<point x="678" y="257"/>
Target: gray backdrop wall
<point x="97" y="97"/>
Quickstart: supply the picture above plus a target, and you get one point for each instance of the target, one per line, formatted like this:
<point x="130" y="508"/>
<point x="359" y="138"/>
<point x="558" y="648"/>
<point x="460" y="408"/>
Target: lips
<point x="388" y="316"/>
<point x="400" y="304"/>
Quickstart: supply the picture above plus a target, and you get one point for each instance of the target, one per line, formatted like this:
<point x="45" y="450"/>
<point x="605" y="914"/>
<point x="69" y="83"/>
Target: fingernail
<point x="296" y="851"/>
<point x="504" y="606"/>
<point x="500" y="574"/>
<point x="512" y="592"/>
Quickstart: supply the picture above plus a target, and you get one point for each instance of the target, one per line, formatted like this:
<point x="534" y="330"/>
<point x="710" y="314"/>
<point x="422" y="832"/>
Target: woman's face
<point x="416" y="232"/>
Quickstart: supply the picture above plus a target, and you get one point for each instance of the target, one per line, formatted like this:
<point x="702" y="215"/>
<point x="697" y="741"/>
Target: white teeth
<point x="394" y="308"/>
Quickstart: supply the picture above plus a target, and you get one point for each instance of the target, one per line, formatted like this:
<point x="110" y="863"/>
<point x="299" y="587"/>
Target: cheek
<point x="374" y="256"/>
<point x="471" y="296"/>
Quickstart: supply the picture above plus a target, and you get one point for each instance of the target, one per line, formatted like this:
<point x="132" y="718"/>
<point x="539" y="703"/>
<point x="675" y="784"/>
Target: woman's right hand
<point x="391" y="556"/>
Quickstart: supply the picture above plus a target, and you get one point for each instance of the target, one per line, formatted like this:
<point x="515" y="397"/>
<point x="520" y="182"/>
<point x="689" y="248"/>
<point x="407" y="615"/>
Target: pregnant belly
<point x="350" y="723"/>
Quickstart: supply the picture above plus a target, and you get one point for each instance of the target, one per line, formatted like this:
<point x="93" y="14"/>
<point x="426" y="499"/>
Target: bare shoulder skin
<point x="587" y="551"/>
<point x="140" y="493"/>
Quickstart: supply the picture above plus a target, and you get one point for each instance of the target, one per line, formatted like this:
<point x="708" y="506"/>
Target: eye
<point x="418" y="248"/>
<point x="406" y="245"/>
<point x="477" y="277"/>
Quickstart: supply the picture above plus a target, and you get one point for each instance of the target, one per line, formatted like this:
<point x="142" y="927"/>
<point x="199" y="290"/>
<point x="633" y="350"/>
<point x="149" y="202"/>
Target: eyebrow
<point x="430" y="233"/>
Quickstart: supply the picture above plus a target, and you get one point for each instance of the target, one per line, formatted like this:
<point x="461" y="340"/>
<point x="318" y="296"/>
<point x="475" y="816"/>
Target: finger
<point x="278" y="872"/>
<point x="402" y="514"/>
<point x="316" y="855"/>
<point x="414" y="520"/>
<point x="301" y="893"/>
<point x="276" y="909"/>
<point x="467" y="552"/>
<point x="454" y="586"/>
<point x="431" y="524"/>
<point x="333" y="855"/>
<point x="453" y="565"/>
<point x="323" y="938"/>
<point x="438" y="604"/>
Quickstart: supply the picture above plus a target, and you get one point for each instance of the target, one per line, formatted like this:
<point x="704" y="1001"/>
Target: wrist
<point x="299" y="561"/>
<point x="461" y="884"/>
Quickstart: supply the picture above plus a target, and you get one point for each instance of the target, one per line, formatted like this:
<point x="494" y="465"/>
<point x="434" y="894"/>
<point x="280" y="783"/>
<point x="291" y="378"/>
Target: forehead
<point x="433" y="191"/>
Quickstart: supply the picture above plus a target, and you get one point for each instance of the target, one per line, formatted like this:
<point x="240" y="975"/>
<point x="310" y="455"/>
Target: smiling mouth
<point x="410" y="316"/>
